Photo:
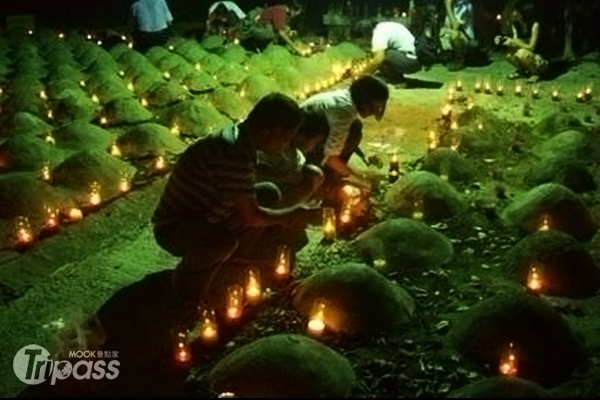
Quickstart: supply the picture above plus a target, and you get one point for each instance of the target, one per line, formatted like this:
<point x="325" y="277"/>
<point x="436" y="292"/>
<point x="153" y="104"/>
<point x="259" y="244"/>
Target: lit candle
<point x="487" y="87"/>
<point x="500" y="88"/>
<point x="316" y="323"/>
<point x="535" y="92"/>
<point x="518" y="89"/>
<point x="282" y="269"/>
<point x="51" y="222"/>
<point x="82" y="83"/>
<point x="43" y="95"/>
<point x="479" y="125"/>
<point x="446" y="111"/>
<point x="477" y="86"/>
<point x="329" y="223"/>
<point x="235" y="298"/>
<point x="534" y="279"/>
<point x="346" y="212"/>
<point x="95" y="98"/>
<point x="115" y="150"/>
<point x="393" y="176"/>
<point x="160" y="163"/>
<point x="555" y="94"/>
<point x="588" y="92"/>
<point x="94" y="197"/>
<point x="508" y="361"/>
<point x="458" y="86"/>
<point x="579" y="97"/>
<point x="182" y="351"/>
<point x="50" y="114"/>
<point x="103" y="121"/>
<point x="74" y="214"/>
<point x="394" y="162"/>
<point x="433" y="140"/>
<point x="124" y="184"/>
<point x="167" y="75"/>
<point x="144" y="102"/>
<point x="23" y="234"/>
<point x="455" y="142"/>
<point x="253" y="287"/>
<point x="454" y="125"/>
<point x="46" y="174"/>
<point x="130" y="86"/>
<point x="209" y="332"/>
<point x="545" y="223"/>
<point x="175" y="129"/>
<point x="418" y="209"/>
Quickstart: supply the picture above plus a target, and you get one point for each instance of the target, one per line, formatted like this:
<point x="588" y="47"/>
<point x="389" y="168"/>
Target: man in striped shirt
<point x="208" y="212"/>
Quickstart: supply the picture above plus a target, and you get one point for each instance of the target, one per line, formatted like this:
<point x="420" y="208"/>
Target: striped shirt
<point x="340" y="111"/>
<point x="206" y="180"/>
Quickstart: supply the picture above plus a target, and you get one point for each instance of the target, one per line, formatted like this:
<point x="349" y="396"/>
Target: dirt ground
<point x="82" y="267"/>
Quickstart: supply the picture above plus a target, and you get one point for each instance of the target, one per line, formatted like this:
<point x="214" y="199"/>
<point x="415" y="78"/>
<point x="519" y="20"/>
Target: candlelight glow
<point x="46" y="174"/>
<point x="182" y="350"/>
<point x="329" y="223"/>
<point x="94" y="196"/>
<point x="124" y="185"/>
<point x="103" y="121"/>
<point x="316" y="323"/>
<point x="115" y="150"/>
<point x="253" y="286"/>
<point x="23" y="233"/>
<point x="282" y="269"/>
<point x="433" y="140"/>
<point x="418" y="209"/>
<point x="545" y="223"/>
<point x="51" y="217"/>
<point x="508" y="361"/>
<point x="175" y="129"/>
<point x="235" y="297"/>
<point x="144" y="102"/>
<point x="534" y="279"/>
<point x="160" y="163"/>
<point x="208" y="326"/>
<point x="477" y="86"/>
<point x="75" y="214"/>
<point x="95" y="98"/>
<point x="345" y="214"/>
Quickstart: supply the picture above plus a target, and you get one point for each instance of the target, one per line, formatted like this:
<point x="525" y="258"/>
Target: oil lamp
<point x="534" y="278"/>
<point x="508" y="361"/>
<point x="74" y="214"/>
<point x="43" y="95"/>
<point x="94" y="197"/>
<point x="545" y="223"/>
<point x="500" y="88"/>
<point x="555" y="94"/>
<point x="535" y="92"/>
<point x="282" y="268"/>
<point x="103" y="120"/>
<point x="160" y="163"/>
<point x="51" y="222"/>
<point x="477" y="86"/>
<point x="235" y="300"/>
<point x="518" y="89"/>
<point x="175" y="129"/>
<point x="580" y="97"/>
<point x="50" y="139"/>
<point x="393" y="176"/>
<point x="182" y="350"/>
<point x="144" y="102"/>
<point x="50" y="114"/>
<point x="253" y="287"/>
<point x="115" y="150"/>
<point x="418" y="209"/>
<point x="209" y="333"/>
<point x="446" y="111"/>
<point x="124" y="184"/>
<point x="458" y="85"/>
<point x="394" y="162"/>
<point x="95" y="98"/>
<point x="329" y="223"/>
<point x="130" y="86"/>
<point x="23" y="233"/>
<point x="587" y="93"/>
<point x="316" y="322"/>
<point x="167" y="75"/>
<point x="433" y="140"/>
<point x="487" y="86"/>
<point x="46" y="173"/>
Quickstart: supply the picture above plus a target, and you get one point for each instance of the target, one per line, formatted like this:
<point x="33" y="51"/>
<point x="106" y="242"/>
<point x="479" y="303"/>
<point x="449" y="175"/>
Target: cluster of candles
<point x="352" y="197"/>
<point x="486" y="86"/>
<point x="508" y="361"/>
<point x="338" y="71"/>
<point x="237" y="297"/>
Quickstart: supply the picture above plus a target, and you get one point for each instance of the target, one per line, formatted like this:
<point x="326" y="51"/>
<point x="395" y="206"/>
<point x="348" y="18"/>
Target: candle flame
<point x="508" y="362"/>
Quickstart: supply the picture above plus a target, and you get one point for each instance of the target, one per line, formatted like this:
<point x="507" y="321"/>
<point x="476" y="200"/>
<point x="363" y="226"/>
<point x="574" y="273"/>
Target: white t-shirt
<point x="393" y="36"/>
<point x="340" y="111"/>
<point x="230" y="6"/>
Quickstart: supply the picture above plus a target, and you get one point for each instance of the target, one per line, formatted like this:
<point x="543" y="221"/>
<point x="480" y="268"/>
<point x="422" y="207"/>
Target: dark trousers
<point x="397" y="63"/>
<point x="143" y="41"/>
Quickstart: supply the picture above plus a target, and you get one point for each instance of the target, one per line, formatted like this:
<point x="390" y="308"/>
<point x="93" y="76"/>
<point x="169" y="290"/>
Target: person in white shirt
<point x="150" y="21"/>
<point x="393" y="51"/>
<point x="223" y="16"/>
<point x="367" y="96"/>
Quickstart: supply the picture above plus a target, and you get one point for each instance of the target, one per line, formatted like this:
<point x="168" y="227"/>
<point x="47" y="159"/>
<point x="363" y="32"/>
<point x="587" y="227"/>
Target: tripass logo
<point x="33" y="365"/>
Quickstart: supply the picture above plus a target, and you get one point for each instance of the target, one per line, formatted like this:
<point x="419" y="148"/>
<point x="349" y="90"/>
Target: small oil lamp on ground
<point x="159" y="164"/>
<point x="253" y="286"/>
<point x="508" y="361"/>
<point x="46" y="173"/>
<point x="124" y="184"/>
<point x="234" y="302"/>
<point x="74" y="214"/>
<point x="544" y="223"/>
<point x="394" y="170"/>
<point x="316" y="323"/>
<point x="478" y="86"/>
<point x="418" y="212"/>
<point x="115" y="150"/>
<point x="209" y="331"/>
<point x="51" y="219"/>
<point x="329" y="223"/>
<point x="433" y="140"/>
<point x="534" y="278"/>
<point x="23" y="236"/>
<point x="283" y="263"/>
<point x="182" y="351"/>
<point x="555" y="94"/>
<point x="94" y="198"/>
<point x="535" y="92"/>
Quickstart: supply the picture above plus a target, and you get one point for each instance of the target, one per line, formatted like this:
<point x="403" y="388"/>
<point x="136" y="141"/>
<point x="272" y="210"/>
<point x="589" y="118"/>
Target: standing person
<point x="150" y="21"/>
<point x="297" y="179"/>
<point x="524" y="47"/>
<point x="208" y="213"/>
<point x="393" y="51"/>
<point x="223" y="16"/>
<point x="365" y="97"/>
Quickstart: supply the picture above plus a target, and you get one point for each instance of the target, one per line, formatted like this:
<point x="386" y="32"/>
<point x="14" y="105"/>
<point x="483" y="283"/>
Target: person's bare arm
<point x="255" y="216"/>
<point x="454" y="22"/>
<point x="288" y="40"/>
<point x="375" y="61"/>
<point x="518" y="43"/>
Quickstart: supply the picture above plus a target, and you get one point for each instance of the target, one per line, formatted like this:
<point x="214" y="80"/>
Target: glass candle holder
<point x="234" y="302"/>
<point x="316" y="323"/>
<point x="508" y="361"/>
<point x="329" y="223"/>
<point x="253" y="286"/>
